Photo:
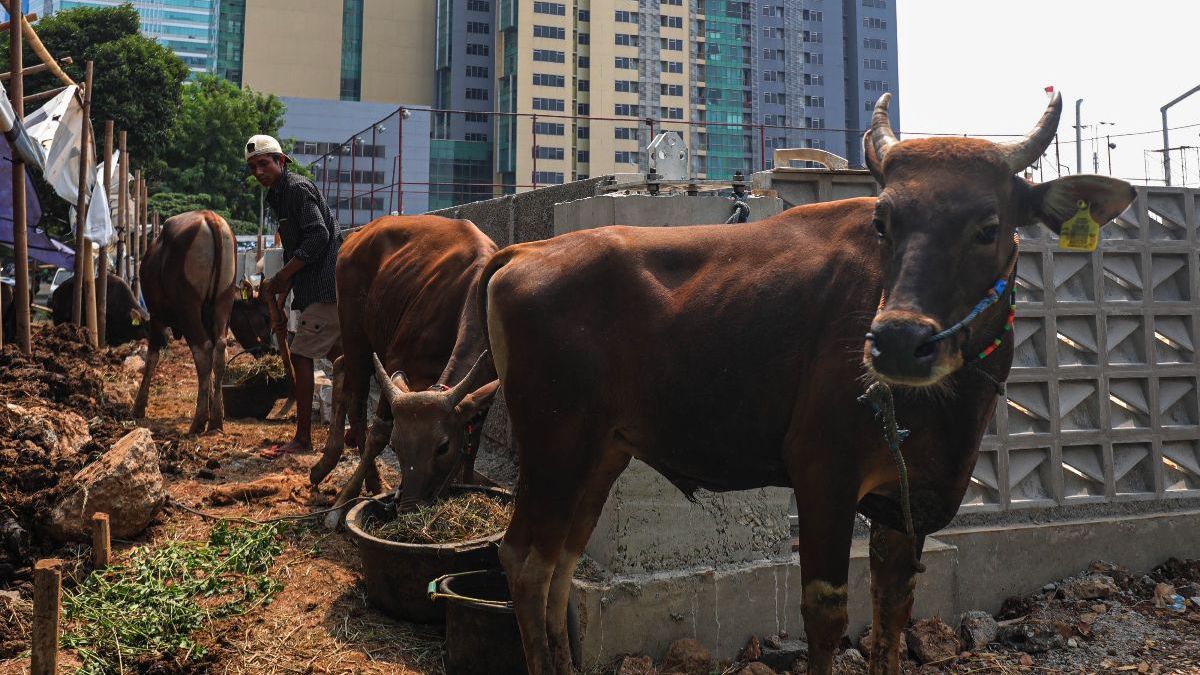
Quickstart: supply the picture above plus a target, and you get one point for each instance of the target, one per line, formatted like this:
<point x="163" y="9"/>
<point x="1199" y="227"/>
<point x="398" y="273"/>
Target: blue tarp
<point x="41" y="247"/>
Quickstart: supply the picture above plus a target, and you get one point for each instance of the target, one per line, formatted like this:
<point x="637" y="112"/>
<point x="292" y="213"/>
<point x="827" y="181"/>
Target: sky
<point x="981" y="68"/>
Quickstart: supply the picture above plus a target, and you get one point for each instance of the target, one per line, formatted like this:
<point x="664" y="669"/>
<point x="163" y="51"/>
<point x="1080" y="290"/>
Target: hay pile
<point x="472" y="515"/>
<point x="243" y="371"/>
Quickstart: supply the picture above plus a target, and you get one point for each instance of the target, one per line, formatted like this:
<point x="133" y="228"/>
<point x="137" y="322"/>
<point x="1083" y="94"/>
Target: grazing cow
<point x="250" y="320"/>
<point x="187" y="278"/>
<point x="730" y="358"/>
<point x="125" y="319"/>
<point x="402" y="284"/>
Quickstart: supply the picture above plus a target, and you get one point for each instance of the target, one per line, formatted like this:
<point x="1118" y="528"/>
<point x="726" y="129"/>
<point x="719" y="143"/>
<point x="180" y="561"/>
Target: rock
<point x="1119" y="573"/>
<point x="1050" y="588"/>
<point x="867" y="640"/>
<point x="1099" y="608"/>
<point x="773" y="641"/>
<point x="1025" y="660"/>
<point x="1163" y="594"/>
<point x="60" y="430"/>
<point x="1195" y="600"/>
<point x="1091" y="587"/>
<point x="636" y="665"/>
<point x="134" y="363"/>
<point x="1031" y="636"/>
<point x="1072" y="643"/>
<point x="784" y="654"/>
<point x="977" y="630"/>
<point x="752" y="650"/>
<point x="688" y="657"/>
<point x="124" y="482"/>
<point x="931" y="640"/>
<point x="854" y="656"/>
<point x="756" y="668"/>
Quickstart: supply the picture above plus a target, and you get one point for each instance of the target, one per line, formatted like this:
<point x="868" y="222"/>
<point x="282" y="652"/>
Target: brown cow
<point x="730" y="358"/>
<point x="187" y="278"/>
<point x="402" y="283"/>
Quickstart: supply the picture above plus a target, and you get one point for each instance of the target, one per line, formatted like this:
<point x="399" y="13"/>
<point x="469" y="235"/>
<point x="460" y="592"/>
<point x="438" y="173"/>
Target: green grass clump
<point x="149" y="608"/>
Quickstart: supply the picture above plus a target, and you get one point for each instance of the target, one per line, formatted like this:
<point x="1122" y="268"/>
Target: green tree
<point x="137" y="82"/>
<point x="206" y="149"/>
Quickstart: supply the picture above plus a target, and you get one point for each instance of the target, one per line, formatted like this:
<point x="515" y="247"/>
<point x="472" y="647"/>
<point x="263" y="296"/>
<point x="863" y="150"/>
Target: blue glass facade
<point x="186" y="27"/>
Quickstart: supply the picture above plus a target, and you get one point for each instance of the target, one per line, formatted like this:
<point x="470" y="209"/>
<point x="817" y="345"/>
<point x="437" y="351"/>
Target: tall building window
<point x="671" y="66"/>
<point x="671" y="113"/>
<point x="477" y="71"/>
<point x="667" y="21"/>
<point x="476" y="49"/>
<point x="626" y="40"/>
<point x="479" y="5"/>
<point x="553" y="32"/>
<point x="547" y="152"/>
<point x="872" y="22"/>
<point x="550" y="104"/>
<point x="625" y="109"/>
<point x="478" y="28"/>
<point x="622" y="16"/>
<point x="352" y="25"/>
<point x="475" y="94"/>
<point x="549" y="80"/>
<point x="625" y="133"/>
<point x="551" y="8"/>
<point x="548" y="177"/>
<point x="671" y="89"/>
<point x="585" y="62"/>
<point x="814" y="101"/>
<point x="875" y="64"/>
<point x="626" y="85"/>
<point x="549" y="56"/>
<point x="583" y="132"/>
<point x="874" y="43"/>
<point x="671" y="44"/>
<point x="585" y="15"/>
<point x="548" y="128"/>
<point x="625" y="62"/>
<point x="625" y="157"/>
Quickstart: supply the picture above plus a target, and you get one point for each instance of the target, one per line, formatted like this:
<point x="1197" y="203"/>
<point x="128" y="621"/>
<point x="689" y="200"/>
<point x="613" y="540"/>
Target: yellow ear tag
<point x="136" y="321"/>
<point x="245" y="293"/>
<point x="1081" y="232"/>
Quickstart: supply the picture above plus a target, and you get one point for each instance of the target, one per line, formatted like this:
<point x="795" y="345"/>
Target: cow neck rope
<point x="879" y="395"/>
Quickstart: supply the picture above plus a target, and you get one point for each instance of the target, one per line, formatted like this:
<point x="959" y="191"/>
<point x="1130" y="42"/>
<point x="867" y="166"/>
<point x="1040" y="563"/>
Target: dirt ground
<point x="320" y="622"/>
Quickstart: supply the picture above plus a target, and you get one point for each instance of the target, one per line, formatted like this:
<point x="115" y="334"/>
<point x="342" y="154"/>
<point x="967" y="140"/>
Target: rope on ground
<point x="242" y="519"/>
<point x="741" y="212"/>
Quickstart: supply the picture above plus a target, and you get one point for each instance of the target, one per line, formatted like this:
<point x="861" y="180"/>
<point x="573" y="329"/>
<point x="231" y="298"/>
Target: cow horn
<point x="1023" y="153"/>
<point x="390" y="391"/>
<point x="881" y="134"/>
<point x="468" y="383"/>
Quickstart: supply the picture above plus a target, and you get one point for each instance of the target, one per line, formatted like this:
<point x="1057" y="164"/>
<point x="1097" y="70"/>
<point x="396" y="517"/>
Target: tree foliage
<point x="137" y="82"/>
<point x="206" y="150"/>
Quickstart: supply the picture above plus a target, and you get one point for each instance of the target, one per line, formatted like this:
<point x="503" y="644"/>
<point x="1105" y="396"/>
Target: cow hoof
<point x="333" y="519"/>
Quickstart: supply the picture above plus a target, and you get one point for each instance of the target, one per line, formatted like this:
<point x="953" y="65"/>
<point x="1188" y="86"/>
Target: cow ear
<point x="1054" y="202"/>
<point x="477" y="401"/>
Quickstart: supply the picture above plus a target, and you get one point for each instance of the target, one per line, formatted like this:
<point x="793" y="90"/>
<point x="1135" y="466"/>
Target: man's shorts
<point x="317" y="330"/>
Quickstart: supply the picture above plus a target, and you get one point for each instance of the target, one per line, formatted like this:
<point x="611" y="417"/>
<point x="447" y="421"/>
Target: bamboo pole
<point x="47" y="599"/>
<point x="135" y="241"/>
<point x="81" y="204"/>
<point x="42" y="96"/>
<point x="20" y="234"/>
<point x="122" y="207"/>
<point x="157" y="227"/>
<point x="145" y="216"/>
<point x="32" y="16"/>
<point x="33" y="70"/>
<point x="35" y="44"/>
<point x="102" y="266"/>
<point x="101" y="541"/>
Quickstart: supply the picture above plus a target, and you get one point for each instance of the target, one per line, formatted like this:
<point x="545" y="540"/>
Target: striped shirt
<point x="309" y="232"/>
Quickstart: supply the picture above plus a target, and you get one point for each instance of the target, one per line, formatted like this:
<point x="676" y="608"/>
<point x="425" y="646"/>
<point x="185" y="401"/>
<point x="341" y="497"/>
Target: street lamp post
<point x="1166" y="136"/>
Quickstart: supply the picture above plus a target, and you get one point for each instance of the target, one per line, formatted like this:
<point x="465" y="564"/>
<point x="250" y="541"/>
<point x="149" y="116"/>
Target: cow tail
<point x="209" y="304"/>
<point x="494" y="264"/>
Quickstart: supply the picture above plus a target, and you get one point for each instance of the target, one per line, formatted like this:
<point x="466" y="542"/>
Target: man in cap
<point x="311" y="239"/>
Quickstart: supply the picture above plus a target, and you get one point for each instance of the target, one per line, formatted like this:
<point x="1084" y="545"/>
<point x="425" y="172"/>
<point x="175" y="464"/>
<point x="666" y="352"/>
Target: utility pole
<point x="1166" y="135"/>
<point x="1078" y="138"/>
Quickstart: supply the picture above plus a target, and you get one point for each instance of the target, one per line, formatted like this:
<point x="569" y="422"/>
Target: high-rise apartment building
<point x="737" y="78"/>
<point x="184" y="26"/>
<point x="352" y="50"/>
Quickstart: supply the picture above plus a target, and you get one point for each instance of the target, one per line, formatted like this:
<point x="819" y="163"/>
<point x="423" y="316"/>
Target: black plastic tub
<point x="253" y="399"/>
<point x="482" y="637"/>
<point x="397" y="575"/>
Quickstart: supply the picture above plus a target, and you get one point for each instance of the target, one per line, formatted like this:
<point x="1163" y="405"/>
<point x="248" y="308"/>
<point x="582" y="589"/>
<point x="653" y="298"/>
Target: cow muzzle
<point x="900" y="350"/>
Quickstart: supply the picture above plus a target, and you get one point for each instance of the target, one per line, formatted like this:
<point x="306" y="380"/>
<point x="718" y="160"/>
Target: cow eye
<point x="988" y="234"/>
<point x="443" y="448"/>
<point x="880" y="228"/>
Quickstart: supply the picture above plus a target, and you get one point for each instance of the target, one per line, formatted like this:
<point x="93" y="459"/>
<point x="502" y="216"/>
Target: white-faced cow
<point x="730" y="358"/>
<point x="187" y="278"/>
<point x="402" y="284"/>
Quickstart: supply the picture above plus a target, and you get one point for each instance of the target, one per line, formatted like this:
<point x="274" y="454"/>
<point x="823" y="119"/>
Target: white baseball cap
<point x="263" y="145"/>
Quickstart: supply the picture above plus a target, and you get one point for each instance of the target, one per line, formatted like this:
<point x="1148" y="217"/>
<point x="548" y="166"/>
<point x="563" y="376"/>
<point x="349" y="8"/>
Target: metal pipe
<point x="372" y="198"/>
<point x="353" y="181"/>
<point x="122" y="261"/>
<point x="1166" y="135"/>
<point x="102" y="267"/>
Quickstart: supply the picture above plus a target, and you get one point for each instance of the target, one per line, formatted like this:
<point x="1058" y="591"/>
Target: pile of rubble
<point x="1104" y="619"/>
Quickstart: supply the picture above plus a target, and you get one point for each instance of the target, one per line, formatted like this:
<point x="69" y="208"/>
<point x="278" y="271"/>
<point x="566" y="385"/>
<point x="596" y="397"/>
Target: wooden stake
<point x="122" y="207"/>
<point x="20" y="234"/>
<point x="81" y="203"/>
<point x="157" y="227"/>
<point x="135" y="239"/>
<point x="89" y="293"/>
<point x="47" y="599"/>
<point x="101" y="541"/>
<point x="102" y="266"/>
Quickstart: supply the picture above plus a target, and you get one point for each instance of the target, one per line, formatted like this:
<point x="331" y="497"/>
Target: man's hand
<point x="278" y="285"/>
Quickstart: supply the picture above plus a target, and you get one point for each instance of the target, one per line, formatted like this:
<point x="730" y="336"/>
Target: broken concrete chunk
<point x="977" y="630"/>
<point x="124" y="482"/>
